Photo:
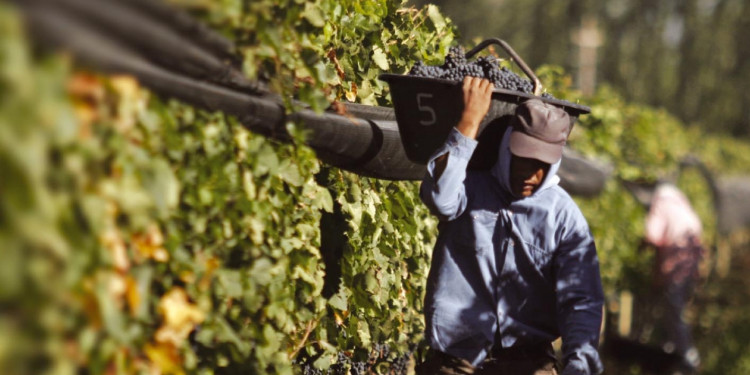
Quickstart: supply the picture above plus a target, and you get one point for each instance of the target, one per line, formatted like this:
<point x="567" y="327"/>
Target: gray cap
<point x="540" y="131"/>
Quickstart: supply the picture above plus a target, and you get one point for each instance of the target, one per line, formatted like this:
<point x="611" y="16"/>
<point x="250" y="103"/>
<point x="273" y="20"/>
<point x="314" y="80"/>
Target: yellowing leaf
<point x="132" y="295"/>
<point x="116" y="287"/>
<point x="112" y="241"/>
<point x="130" y="104"/>
<point x="180" y="317"/>
<point x="149" y="245"/>
<point x="165" y="358"/>
<point x="351" y="95"/>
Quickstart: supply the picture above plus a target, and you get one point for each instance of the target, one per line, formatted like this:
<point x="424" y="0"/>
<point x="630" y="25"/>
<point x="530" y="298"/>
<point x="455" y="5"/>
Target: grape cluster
<point x="456" y="67"/>
<point x="358" y="368"/>
<point x="456" y="56"/>
<point x="344" y="365"/>
<point x="310" y="370"/>
<point x="381" y="350"/>
<point x="347" y="364"/>
<point x="400" y="365"/>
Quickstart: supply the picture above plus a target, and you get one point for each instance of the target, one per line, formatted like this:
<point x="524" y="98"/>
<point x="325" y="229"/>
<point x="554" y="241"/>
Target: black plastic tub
<point x="427" y="108"/>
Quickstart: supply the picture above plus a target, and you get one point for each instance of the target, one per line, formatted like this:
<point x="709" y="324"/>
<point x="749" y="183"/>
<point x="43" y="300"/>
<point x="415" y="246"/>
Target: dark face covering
<point x="526" y="175"/>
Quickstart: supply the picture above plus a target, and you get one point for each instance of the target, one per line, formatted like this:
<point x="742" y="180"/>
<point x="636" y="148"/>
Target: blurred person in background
<point x="674" y="231"/>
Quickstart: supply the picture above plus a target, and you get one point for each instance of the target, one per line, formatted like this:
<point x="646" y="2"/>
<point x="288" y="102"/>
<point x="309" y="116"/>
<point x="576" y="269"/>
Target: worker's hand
<point x="477" y="97"/>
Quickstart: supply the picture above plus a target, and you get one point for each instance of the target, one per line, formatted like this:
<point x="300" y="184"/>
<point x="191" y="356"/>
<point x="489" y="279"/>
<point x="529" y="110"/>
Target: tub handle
<point x="519" y="61"/>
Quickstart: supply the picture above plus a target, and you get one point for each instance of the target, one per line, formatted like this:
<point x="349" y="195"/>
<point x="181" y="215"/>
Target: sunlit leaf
<point x="380" y="59"/>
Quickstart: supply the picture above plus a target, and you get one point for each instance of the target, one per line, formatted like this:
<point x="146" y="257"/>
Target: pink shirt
<point x="671" y="220"/>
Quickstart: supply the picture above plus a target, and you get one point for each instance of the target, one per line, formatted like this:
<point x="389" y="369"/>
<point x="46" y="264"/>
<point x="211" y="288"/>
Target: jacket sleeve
<point x="445" y="195"/>
<point x="580" y="300"/>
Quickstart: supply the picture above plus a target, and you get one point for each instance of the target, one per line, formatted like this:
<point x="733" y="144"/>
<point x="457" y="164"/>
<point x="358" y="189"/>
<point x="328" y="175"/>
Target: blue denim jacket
<point x="517" y="271"/>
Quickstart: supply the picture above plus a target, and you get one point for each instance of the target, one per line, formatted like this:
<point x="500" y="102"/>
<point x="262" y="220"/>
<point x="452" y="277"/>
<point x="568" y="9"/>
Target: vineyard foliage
<point x="141" y="235"/>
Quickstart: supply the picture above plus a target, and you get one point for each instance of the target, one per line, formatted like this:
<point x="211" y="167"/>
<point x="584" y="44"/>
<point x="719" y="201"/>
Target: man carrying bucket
<point x="514" y="266"/>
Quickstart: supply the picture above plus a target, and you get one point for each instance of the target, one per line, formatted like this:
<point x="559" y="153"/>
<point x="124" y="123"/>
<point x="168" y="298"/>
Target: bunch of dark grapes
<point x="358" y="368"/>
<point x="456" y="57"/>
<point x="456" y="67"/>
<point x="400" y="365"/>
<point x="381" y="351"/>
<point x="346" y="364"/>
<point x="310" y="370"/>
<point x="421" y="70"/>
<point x="341" y="365"/>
